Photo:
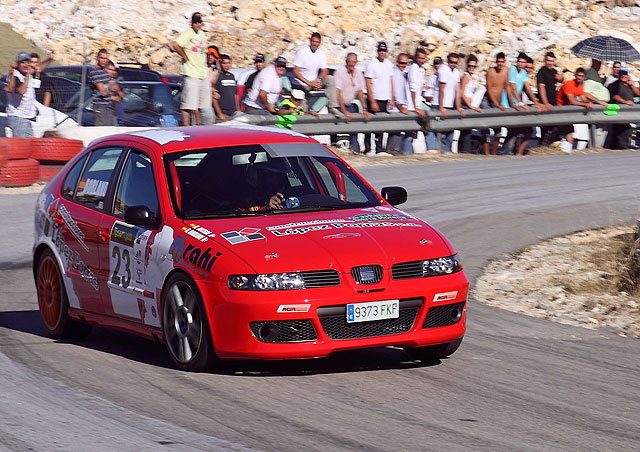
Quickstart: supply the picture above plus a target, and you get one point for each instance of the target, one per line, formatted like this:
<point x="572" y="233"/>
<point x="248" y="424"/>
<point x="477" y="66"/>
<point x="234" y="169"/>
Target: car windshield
<point x="240" y="180"/>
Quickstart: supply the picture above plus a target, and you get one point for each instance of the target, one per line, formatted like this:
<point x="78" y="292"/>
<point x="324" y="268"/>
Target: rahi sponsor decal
<point x="197" y="258"/>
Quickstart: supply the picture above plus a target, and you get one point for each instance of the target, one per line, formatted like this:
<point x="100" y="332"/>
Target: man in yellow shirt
<point x="196" y="89"/>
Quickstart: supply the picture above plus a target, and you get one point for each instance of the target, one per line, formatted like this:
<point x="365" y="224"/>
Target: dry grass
<point x="609" y="267"/>
<point x="589" y="279"/>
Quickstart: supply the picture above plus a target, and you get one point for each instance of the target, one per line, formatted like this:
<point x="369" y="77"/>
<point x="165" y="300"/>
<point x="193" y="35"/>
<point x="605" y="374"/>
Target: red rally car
<point x="240" y="243"/>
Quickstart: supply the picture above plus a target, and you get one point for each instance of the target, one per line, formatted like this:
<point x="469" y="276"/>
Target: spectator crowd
<point x="210" y="92"/>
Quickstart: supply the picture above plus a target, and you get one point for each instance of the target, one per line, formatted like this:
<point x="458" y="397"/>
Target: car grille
<point x="284" y="331"/>
<point x="334" y="322"/>
<point x="321" y="278"/>
<point x="367" y="274"/>
<point x="443" y="315"/>
<point x="406" y="270"/>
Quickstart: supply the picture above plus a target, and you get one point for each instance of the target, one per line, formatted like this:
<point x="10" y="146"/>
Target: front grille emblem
<point x="367" y="275"/>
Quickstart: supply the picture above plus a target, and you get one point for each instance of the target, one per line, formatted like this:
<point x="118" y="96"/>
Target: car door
<point x="124" y="258"/>
<point x="76" y="222"/>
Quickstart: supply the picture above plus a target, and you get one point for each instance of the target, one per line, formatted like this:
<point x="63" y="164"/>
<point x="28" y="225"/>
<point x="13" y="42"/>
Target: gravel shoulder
<point x="574" y="280"/>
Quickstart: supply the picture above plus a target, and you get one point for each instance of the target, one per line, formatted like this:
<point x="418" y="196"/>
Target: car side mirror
<point x="139" y="216"/>
<point x="394" y="195"/>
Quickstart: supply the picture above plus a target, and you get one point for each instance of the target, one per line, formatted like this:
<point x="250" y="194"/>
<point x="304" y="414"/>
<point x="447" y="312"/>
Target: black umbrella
<point x="606" y="48"/>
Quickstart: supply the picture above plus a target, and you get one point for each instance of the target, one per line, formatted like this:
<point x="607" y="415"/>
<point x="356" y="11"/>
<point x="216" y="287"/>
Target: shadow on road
<point x="138" y="349"/>
<point x="381" y="358"/>
<point x="25" y="321"/>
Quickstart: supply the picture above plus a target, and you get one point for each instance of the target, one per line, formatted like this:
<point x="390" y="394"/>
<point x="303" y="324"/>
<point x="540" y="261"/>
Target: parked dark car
<point x="124" y="72"/>
<point x="146" y="104"/>
<point x="172" y="78"/>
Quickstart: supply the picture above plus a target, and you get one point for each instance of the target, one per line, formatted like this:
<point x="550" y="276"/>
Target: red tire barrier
<point x="59" y="150"/>
<point x="17" y="173"/>
<point x="17" y="148"/>
<point x="48" y="172"/>
<point x="3" y="153"/>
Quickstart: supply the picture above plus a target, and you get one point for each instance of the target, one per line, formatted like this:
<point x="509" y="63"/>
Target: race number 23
<point x="121" y="261"/>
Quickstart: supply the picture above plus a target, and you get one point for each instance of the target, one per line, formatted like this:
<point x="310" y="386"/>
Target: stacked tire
<point x="25" y="161"/>
<point x="52" y="154"/>
<point x="17" y="168"/>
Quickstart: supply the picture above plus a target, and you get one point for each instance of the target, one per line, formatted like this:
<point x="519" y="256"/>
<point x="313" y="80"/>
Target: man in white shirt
<point x="378" y="76"/>
<point x="21" y="97"/>
<point x="415" y="78"/>
<point x="432" y="96"/>
<point x="264" y="94"/>
<point x="401" y="142"/>
<point x="312" y="73"/>
<point x="449" y="79"/>
<point x="432" y="93"/>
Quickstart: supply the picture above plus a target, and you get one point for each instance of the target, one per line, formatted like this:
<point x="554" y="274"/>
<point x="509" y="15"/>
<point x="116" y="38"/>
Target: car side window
<point x="137" y="186"/>
<point x="94" y="183"/>
<point x="71" y="180"/>
<point x="136" y="98"/>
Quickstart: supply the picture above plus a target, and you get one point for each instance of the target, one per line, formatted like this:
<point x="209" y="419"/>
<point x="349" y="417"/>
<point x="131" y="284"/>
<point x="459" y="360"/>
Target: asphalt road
<point x="517" y="383"/>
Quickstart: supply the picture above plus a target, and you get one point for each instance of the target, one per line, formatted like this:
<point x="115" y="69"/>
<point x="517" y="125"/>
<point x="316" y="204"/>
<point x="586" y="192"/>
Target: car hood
<point x="336" y="240"/>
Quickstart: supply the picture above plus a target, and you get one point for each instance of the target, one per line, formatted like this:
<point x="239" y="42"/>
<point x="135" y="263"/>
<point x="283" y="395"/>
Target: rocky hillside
<point x="140" y="30"/>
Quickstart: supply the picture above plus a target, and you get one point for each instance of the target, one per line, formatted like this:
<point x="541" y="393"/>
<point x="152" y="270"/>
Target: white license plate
<point x="373" y="310"/>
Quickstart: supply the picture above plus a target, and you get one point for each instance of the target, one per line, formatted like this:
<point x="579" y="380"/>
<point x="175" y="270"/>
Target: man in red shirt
<point x="572" y="93"/>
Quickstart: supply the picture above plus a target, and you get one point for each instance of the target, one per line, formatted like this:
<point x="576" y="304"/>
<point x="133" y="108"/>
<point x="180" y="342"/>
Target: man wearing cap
<point x="226" y="102"/>
<point x="378" y="78"/>
<point x="259" y="63"/>
<point x="267" y="86"/>
<point x="289" y="109"/>
<point x="622" y="93"/>
<point x="21" y="97"/>
<point x="196" y="92"/>
<point x="213" y="58"/>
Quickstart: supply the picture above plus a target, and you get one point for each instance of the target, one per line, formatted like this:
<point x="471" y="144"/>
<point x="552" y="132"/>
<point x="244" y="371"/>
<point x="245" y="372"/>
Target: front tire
<point x="53" y="302"/>
<point x="184" y="325"/>
<point x="433" y="352"/>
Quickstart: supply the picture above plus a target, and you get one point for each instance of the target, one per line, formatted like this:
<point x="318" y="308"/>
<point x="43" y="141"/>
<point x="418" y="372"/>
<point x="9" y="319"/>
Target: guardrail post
<point x="592" y="136"/>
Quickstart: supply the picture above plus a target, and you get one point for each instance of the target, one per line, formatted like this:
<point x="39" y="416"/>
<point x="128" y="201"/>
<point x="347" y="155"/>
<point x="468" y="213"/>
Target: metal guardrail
<point x="436" y="122"/>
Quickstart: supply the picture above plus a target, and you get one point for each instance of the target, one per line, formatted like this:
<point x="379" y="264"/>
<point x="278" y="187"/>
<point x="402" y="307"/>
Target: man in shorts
<point x="196" y="92"/>
<point x="572" y="93"/>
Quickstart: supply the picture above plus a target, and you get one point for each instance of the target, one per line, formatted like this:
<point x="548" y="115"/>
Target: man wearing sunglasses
<point x="449" y="80"/>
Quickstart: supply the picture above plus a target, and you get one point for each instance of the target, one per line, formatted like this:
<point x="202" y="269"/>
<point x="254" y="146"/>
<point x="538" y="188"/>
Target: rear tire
<point x="433" y="352"/>
<point x="53" y="301"/>
<point x="185" y="327"/>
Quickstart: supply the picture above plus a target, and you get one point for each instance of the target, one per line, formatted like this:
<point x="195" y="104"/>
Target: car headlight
<point x="441" y="266"/>
<point x="274" y="281"/>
